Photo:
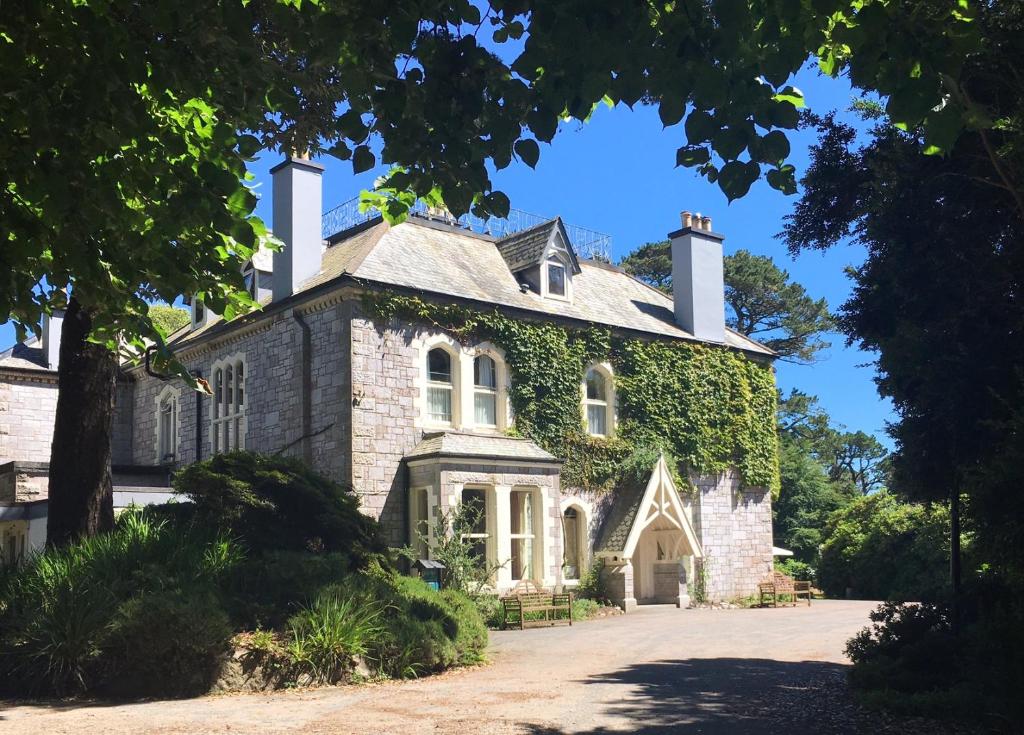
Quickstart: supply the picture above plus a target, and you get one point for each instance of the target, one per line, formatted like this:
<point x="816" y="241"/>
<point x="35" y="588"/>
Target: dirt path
<point x="659" y="670"/>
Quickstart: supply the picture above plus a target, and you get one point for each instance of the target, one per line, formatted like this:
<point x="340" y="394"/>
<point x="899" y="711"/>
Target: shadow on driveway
<point x="724" y="695"/>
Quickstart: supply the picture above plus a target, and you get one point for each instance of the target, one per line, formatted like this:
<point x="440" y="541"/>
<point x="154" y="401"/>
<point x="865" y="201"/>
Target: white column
<point x="502" y="534"/>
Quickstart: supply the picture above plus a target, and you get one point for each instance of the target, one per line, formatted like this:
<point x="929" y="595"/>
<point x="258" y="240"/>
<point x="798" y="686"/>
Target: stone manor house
<point x="412" y="419"/>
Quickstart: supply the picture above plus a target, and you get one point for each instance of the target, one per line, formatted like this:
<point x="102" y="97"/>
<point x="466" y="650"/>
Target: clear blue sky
<point x="617" y="175"/>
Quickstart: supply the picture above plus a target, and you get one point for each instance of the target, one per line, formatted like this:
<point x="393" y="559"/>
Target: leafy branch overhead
<point x="128" y="127"/>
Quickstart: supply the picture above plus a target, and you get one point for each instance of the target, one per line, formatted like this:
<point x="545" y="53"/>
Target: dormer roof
<point x="528" y="248"/>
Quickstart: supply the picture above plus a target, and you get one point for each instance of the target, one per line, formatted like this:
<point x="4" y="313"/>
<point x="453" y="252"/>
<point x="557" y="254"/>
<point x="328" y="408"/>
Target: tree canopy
<point x="127" y="127"/>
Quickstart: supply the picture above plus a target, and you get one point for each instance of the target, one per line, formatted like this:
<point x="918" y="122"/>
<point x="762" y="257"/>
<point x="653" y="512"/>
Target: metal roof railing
<point x="588" y="243"/>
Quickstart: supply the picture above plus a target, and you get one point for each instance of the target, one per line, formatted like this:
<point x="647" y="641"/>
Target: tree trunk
<point x="954" y="554"/>
<point x="81" y="493"/>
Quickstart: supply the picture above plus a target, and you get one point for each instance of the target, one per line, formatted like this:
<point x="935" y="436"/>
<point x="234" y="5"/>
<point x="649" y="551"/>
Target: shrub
<point x="58" y="611"/>
<point x="592" y="583"/>
<point x="883" y="549"/>
<point x="277" y="503"/>
<point x="583" y="608"/>
<point x="490" y="609"/>
<point x="427" y="630"/>
<point x="166" y="643"/>
<point x="338" y="627"/>
<point x="266" y="590"/>
<point x="796" y="569"/>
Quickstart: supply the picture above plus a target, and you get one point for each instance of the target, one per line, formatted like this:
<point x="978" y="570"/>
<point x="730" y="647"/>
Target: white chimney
<point x="298" y="207"/>
<point x="52" y="326"/>
<point x="698" y="285"/>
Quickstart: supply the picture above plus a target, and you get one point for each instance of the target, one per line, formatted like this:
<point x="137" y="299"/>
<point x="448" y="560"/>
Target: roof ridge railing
<point x="588" y="243"/>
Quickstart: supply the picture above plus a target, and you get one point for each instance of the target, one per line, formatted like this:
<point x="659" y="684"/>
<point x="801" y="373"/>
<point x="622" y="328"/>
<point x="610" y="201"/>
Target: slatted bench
<point x="530" y="600"/>
<point x="779" y="584"/>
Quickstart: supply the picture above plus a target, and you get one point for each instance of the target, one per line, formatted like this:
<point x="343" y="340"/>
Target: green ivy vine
<point x="708" y="407"/>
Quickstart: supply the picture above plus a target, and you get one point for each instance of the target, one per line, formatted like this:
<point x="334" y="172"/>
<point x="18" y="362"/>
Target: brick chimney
<point x="297" y="209"/>
<point x="52" y="326"/>
<point x="698" y="286"/>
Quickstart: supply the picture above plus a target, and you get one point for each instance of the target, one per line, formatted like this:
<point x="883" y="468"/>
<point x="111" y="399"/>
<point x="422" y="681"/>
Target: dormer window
<point x="249" y="277"/>
<point x="556" y="279"/>
<point x="198" y="313"/>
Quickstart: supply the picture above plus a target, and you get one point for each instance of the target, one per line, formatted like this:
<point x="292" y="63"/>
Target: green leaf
<point x="362" y="160"/>
<point x="736" y="177"/>
<point x="775" y="146"/>
<point x="692" y="155"/>
<point x="792" y="95"/>
<point x="783" y="179"/>
<point x="671" y="110"/>
<point x="700" y="126"/>
<point x="528" y="150"/>
<point x="499" y="204"/>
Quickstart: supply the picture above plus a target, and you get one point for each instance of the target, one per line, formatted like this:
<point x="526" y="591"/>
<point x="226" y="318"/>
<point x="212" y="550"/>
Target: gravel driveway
<point x="658" y="670"/>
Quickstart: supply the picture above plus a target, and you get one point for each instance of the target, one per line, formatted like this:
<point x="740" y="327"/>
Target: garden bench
<point x="528" y="599"/>
<point x="778" y="585"/>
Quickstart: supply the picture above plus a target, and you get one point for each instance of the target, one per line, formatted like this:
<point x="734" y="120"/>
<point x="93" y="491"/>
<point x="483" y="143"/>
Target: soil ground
<point x="658" y="670"/>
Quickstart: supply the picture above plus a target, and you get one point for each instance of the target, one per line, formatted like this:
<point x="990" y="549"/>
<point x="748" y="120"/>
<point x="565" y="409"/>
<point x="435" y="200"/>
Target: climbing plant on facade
<point x="710" y="408"/>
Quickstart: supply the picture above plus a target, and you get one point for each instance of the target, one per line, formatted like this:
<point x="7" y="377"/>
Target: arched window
<point x="440" y="385"/>
<point x="228" y="409"/>
<point x="572" y="528"/>
<point x="598" y="401"/>
<point x="485" y="391"/>
<point x="167" y="425"/>
<point x="168" y="429"/>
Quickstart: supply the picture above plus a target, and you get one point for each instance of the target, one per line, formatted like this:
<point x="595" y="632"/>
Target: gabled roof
<point x="468" y="445"/>
<point x="526" y="248"/>
<point x="450" y="262"/>
<point x="639" y="506"/>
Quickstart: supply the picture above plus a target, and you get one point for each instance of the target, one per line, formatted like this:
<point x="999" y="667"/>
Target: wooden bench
<point x="779" y="585"/>
<point x="529" y="599"/>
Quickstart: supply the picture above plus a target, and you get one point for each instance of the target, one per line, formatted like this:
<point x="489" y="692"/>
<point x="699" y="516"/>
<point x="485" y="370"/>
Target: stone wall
<point x="385" y="370"/>
<point x="735" y="530"/>
<point x="28" y="406"/>
<point x="23" y="482"/>
<point x="273" y="350"/>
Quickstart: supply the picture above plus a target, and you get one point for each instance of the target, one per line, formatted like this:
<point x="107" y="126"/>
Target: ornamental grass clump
<point x="60" y="615"/>
<point x="331" y="634"/>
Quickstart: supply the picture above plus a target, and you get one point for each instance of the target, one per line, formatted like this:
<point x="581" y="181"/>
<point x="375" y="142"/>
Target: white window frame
<point x="455" y="355"/>
<point x="534" y="535"/>
<point x="488" y="535"/>
<point x="228" y="428"/>
<point x="605" y="371"/>
<point x="545" y="279"/>
<point x="502" y="410"/>
<point x="451" y="386"/>
<point x="173" y="394"/>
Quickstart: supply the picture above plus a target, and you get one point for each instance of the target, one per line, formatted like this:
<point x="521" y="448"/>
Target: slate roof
<point x="525" y="248"/>
<point x="614" y="532"/>
<point x="452" y="262"/>
<point x="467" y="445"/>
<point x="26" y="355"/>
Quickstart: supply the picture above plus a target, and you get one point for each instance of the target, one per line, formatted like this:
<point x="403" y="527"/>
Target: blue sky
<point x="616" y="175"/>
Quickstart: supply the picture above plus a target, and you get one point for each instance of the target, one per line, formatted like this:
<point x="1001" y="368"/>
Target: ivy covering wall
<point x="710" y="408"/>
